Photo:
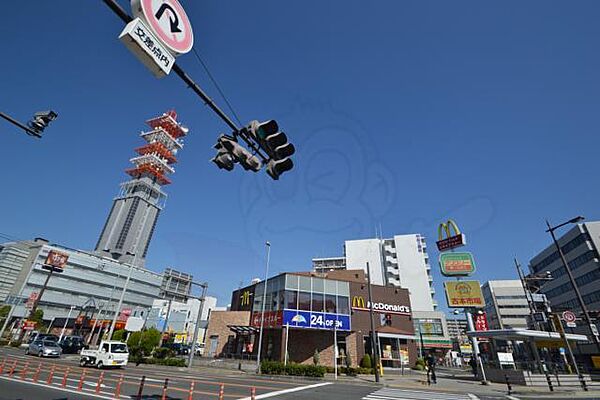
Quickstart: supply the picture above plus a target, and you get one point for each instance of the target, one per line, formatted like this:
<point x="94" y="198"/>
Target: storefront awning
<point x="395" y="336"/>
<point x="243" y="329"/>
<point x="526" y="334"/>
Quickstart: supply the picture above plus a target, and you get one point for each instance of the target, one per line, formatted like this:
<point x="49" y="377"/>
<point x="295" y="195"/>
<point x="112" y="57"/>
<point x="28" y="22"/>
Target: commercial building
<point x="88" y="282"/>
<point x="506" y="305"/>
<point x="309" y="312"/>
<point x="324" y="265"/>
<point x="580" y="247"/>
<point x="132" y="219"/>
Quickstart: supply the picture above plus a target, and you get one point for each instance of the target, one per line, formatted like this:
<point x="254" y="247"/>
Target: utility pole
<point x="118" y="309"/>
<point x="475" y="343"/>
<point x="262" y="316"/>
<point x="197" y="327"/>
<point x="374" y="347"/>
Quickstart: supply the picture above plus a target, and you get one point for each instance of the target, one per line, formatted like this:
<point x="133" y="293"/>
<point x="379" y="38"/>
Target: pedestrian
<point x="473" y="365"/>
<point x="430" y="362"/>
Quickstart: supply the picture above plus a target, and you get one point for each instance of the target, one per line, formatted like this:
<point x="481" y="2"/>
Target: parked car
<point x="35" y="335"/>
<point x="179" y="348"/>
<point x="199" y="349"/>
<point x="44" y="348"/>
<point x="110" y="354"/>
<point x="72" y="344"/>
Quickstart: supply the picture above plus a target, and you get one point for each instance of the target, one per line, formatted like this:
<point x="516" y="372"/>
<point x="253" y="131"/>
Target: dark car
<point x="72" y="344"/>
<point x="179" y="348"/>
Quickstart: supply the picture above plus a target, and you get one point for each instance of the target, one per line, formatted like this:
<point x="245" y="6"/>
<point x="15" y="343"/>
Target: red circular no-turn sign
<point x="569" y="316"/>
<point x="168" y="21"/>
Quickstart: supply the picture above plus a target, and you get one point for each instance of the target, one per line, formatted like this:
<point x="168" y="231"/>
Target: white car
<point x="110" y="354"/>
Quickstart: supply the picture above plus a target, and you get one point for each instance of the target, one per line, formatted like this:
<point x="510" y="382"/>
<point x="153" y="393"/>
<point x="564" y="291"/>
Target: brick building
<point x="313" y="310"/>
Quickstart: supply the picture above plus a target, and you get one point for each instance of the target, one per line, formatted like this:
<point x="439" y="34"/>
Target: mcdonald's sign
<point x="358" y="303"/>
<point x="453" y="238"/>
<point x="245" y="298"/>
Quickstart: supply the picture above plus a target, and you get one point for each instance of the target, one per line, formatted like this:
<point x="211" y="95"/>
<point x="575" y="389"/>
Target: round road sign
<point x="168" y="21"/>
<point x="569" y="316"/>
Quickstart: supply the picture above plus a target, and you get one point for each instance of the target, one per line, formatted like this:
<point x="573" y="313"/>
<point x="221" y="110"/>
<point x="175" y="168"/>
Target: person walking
<point x="431" y="362"/>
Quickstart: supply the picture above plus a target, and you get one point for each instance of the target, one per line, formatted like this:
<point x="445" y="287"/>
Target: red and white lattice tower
<point x="132" y="219"/>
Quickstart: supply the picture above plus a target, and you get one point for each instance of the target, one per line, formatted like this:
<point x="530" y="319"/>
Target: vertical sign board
<point x="461" y="294"/>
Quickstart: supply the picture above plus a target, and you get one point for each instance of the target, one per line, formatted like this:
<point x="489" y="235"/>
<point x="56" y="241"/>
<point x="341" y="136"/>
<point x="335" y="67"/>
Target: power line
<point x="214" y="81"/>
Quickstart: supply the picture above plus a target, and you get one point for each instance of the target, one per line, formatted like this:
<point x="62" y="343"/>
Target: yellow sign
<point x="464" y="294"/>
<point x="358" y="302"/>
<point x="245" y="298"/>
<point x="596" y="361"/>
<point x="446" y="226"/>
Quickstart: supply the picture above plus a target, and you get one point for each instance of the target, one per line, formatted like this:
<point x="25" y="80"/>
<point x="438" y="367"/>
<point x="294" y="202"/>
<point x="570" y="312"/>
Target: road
<point x="27" y="377"/>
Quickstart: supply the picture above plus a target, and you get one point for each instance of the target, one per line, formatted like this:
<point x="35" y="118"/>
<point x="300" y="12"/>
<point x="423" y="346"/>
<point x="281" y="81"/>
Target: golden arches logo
<point x="447" y="227"/>
<point x="358" y="302"/>
<point x="245" y="298"/>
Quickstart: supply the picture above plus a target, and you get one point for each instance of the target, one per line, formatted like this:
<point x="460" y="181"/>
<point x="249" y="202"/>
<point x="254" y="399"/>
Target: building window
<point x="304" y="301"/>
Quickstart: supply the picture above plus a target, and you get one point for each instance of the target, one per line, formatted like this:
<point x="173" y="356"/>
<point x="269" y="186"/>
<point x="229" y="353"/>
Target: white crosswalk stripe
<point x="402" y="394"/>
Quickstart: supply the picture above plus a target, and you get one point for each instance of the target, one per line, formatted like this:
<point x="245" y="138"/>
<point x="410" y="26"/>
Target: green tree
<point x="118" y="335"/>
<point x="38" y="317"/>
<point x="366" y="361"/>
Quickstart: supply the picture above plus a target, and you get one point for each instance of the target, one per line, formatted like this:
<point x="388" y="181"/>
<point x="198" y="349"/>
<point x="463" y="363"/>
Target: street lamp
<point x="114" y="321"/>
<point x="586" y="313"/>
<point x="262" y="316"/>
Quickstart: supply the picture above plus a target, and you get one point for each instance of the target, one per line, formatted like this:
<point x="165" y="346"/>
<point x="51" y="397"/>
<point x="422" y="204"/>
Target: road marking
<point x="512" y="398"/>
<point x="285" y="391"/>
<point x="402" y="394"/>
<point x="45" y="386"/>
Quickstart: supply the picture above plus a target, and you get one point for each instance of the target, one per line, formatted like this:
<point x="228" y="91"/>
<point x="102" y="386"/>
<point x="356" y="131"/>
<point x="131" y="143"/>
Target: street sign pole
<point x="475" y="344"/>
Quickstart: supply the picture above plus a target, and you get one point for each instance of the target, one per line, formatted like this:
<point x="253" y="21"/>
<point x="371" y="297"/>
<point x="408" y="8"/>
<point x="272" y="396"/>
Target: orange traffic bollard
<point x="100" y="380"/>
<point x="64" y="381"/>
<point x="24" y="371"/>
<point x="2" y="366"/>
<point x="37" y="373"/>
<point x="253" y="393"/>
<point x="12" y="368"/>
<point x="118" y="388"/>
<point x="51" y="376"/>
<point x="191" y="395"/>
<point x="221" y="391"/>
<point x="81" y="379"/>
<point x="164" y="392"/>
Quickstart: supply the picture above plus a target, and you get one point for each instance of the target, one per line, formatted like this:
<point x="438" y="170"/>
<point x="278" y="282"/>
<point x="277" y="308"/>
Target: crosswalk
<point x="401" y="394"/>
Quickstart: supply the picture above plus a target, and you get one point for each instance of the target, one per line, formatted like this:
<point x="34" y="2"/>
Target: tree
<point x="38" y="318"/>
<point x="366" y="361"/>
<point x="118" y="335"/>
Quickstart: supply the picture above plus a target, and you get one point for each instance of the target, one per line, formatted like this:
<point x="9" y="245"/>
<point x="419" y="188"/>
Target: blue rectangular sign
<point x="316" y="320"/>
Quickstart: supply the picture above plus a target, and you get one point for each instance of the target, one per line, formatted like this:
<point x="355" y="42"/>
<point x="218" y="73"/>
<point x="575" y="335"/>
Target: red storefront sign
<point x="481" y="324"/>
<point x="272" y="319"/>
<point x="29" y="325"/>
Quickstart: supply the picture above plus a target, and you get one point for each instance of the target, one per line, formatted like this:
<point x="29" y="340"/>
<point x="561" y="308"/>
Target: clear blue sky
<point x="403" y="114"/>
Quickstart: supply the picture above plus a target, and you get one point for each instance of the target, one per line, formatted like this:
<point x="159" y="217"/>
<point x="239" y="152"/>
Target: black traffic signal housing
<point x="41" y="120"/>
<point x="230" y="152"/>
<point x="275" y="144"/>
<point x="223" y="159"/>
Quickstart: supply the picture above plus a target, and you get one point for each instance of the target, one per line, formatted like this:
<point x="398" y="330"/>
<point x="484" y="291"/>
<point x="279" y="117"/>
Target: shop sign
<point x="462" y="294"/>
<point x="31" y="300"/>
<point x="29" y="325"/>
<point x="316" y="320"/>
<point x="272" y="319"/>
<point x="451" y="241"/>
<point x="56" y="261"/>
<point x="358" y="303"/>
<point x="457" y="264"/>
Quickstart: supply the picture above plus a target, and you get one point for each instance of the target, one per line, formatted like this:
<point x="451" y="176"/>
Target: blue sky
<point x="403" y="114"/>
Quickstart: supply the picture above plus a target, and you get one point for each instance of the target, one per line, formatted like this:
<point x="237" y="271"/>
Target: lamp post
<point x="118" y="309"/>
<point x="374" y="344"/>
<point x="197" y="327"/>
<point x="586" y="313"/>
<point x="262" y="316"/>
<point x="62" y="332"/>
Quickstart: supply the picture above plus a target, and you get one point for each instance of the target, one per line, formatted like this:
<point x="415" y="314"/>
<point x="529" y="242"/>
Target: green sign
<point x="457" y="264"/>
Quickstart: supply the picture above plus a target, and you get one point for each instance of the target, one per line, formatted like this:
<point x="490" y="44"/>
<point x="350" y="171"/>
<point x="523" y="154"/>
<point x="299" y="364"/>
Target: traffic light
<point x="230" y="151"/>
<point x="41" y="120"/>
<point x="223" y="159"/>
<point x="275" y="144"/>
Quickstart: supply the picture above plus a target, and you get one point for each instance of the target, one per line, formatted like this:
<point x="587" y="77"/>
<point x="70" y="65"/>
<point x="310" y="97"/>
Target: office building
<point x="580" y="246"/>
<point x="506" y="305"/>
<point x="132" y="219"/>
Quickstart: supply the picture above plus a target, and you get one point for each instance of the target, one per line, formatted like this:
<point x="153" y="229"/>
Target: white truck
<point x="110" y="353"/>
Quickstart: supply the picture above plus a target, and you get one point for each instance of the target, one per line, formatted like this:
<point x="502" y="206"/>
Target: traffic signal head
<point x="232" y="152"/>
<point x="261" y="130"/>
<point x="277" y="167"/>
<point x="41" y="120"/>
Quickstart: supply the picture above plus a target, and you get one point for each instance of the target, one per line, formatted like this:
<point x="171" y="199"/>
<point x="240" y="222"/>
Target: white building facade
<point x="506" y="304"/>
